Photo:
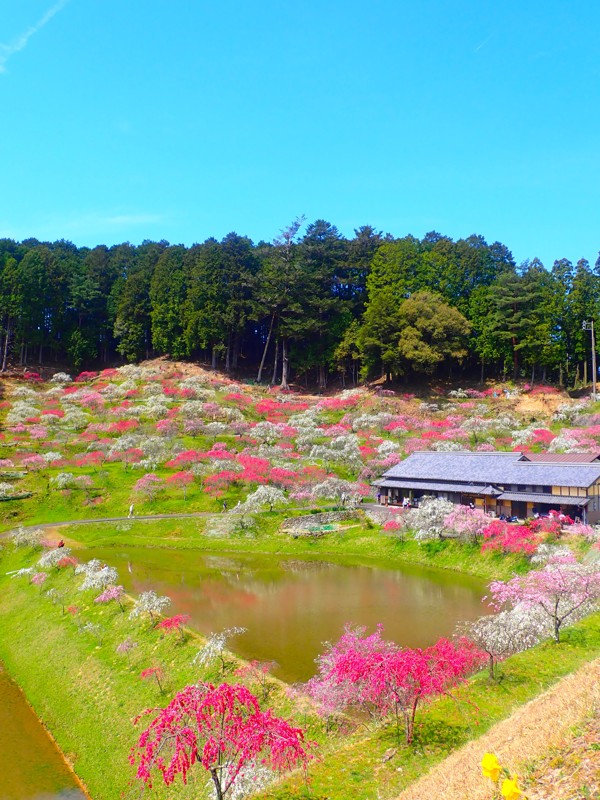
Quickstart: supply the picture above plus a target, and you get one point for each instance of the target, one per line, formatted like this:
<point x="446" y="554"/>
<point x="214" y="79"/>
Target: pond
<point x="31" y="767"/>
<point x="290" y="606"/>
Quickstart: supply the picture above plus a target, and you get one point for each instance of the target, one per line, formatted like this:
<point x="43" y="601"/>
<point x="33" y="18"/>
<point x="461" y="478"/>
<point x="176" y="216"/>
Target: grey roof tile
<point x="492" y="468"/>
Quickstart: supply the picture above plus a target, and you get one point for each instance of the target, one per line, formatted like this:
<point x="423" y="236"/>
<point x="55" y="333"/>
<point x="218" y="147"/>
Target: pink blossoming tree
<point x="381" y="678"/>
<point x="221" y="728"/>
<point x="564" y="590"/>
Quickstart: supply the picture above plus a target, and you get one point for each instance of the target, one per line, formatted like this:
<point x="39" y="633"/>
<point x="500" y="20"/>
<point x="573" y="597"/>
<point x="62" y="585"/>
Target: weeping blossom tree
<point x="151" y="604"/>
<point x="506" y="633"/>
<point x="380" y="677"/>
<point x="222" y="729"/>
<point x="97" y="575"/>
<point x="564" y="591"/>
<point x="215" y="646"/>
<point x="344" y="493"/>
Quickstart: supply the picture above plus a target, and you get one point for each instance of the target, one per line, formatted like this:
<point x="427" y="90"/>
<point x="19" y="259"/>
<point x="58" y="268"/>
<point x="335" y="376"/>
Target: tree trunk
<point x="482" y="373"/>
<point x="217" y="783"/>
<point x="585" y="381"/>
<point x="213" y="361"/>
<point x="6" y="342"/>
<point x="41" y="352"/>
<point x="236" y="351"/>
<point x="228" y="356"/>
<point x="284" y="365"/>
<point x="322" y="378"/>
<point x="274" y="376"/>
<point x="491" y="666"/>
<point x="266" y="347"/>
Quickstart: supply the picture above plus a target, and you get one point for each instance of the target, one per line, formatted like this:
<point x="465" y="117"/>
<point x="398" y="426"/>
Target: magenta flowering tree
<point x="564" y="590"/>
<point x="181" y="480"/>
<point x="153" y="672"/>
<point x="110" y="594"/>
<point x="509" y="538"/>
<point x="174" y="624"/>
<point x="380" y="677"/>
<point x="223" y="730"/>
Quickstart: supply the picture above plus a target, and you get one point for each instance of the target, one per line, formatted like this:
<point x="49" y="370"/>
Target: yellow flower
<point x="510" y="789"/>
<point x="490" y="767"/>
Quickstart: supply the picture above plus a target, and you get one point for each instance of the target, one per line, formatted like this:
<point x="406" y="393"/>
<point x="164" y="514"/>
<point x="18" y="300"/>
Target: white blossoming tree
<point x="151" y="604"/>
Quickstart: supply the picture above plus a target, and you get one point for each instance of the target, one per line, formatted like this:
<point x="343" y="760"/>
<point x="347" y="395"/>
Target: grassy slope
<point x="87" y="695"/>
<point x="363" y="542"/>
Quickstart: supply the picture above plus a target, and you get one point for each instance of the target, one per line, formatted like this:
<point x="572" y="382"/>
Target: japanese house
<point x="514" y="484"/>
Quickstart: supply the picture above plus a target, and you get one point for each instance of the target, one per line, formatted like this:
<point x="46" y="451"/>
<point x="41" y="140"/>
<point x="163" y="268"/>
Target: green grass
<point x="88" y="695"/>
<point x="84" y="692"/>
<point x="363" y="541"/>
<point x="356" y="769"/>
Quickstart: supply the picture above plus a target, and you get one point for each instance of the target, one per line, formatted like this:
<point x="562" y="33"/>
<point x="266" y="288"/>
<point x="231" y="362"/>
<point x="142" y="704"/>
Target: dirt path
<point x="525" y="736"/>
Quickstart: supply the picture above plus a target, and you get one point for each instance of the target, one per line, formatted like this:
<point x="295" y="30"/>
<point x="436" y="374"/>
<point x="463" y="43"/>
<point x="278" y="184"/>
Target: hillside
<point x="173" y="438"/>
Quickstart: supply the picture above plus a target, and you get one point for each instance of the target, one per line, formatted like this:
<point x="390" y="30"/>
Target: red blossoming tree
<point x="223" y="729"/>
<point x="376" y="675"/>
<point x="174" y="624"/>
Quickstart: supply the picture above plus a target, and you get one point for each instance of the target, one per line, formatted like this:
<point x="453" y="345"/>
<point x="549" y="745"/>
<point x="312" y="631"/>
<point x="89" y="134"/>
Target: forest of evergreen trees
<point x="306" y="307"/>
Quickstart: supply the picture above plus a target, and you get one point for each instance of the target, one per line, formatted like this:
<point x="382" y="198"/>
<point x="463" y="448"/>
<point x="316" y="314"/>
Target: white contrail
<point x="8" y="50"/>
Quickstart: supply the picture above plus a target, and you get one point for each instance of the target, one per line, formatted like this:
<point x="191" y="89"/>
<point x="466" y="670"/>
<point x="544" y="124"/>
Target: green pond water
<point x="291" y="606"/>
<point x="31" y="767"/>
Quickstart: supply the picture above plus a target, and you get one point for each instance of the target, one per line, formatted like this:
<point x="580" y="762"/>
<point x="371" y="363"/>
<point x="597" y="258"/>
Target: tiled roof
<point x="561" y="458"/>
<point x="492" y="468"/>
<point x="437" y="486"/>
<point x="545" y="499"/>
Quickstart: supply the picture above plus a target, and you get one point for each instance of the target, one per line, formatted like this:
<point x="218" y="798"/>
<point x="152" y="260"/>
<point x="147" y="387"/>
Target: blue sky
<point x="126" y="120"/>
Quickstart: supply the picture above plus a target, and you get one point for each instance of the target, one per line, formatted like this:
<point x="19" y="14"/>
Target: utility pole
<point x="589" y="326"/>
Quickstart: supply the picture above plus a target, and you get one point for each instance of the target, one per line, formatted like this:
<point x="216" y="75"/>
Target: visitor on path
<point x="130" y="515"/>
<point x="224" y="505"/>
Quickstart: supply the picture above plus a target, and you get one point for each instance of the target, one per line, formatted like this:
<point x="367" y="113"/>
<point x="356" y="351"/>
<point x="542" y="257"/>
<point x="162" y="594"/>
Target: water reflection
<point x="291" y="606"/>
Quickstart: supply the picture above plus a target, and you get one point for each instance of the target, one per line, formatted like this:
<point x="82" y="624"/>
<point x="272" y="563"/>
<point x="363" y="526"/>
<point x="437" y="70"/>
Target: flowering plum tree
<point x="509" y="538"/>
<point x="153" y="672"/>
<point x="51" y="558"/>
<point x="506" y="633"/>
<point x="344" y="493"/>
<point x="97" y="575"/>
<point x="264" y="496"/>
<point x="468" y="522"/>
<point x="150" y="603"/>
<point x="174" y="624"/>
<point x="39" y="579"/>
<point x="110" y="594"/>
<point x="149" y="486"/>
<point x="26" y="537"/>
<point x="428" y="520"/>
<point x="214" y="648"/>
<point x="181" y="480"/>
<point x="258" y="672"/>
<point x="126" y="646"/>
<point x="564" y="590"/>
<point x="224" y="730"/>
<point x="380" y="677"/>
